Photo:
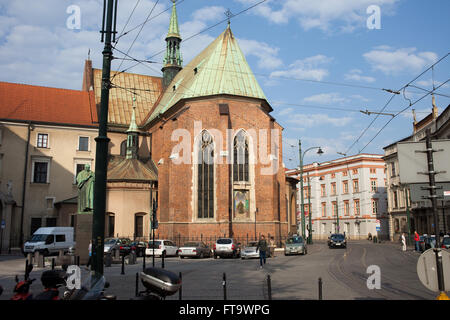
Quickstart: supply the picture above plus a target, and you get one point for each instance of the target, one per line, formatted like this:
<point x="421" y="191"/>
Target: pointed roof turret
<point x="173" y="26"/>
<point x="133" y="126"/>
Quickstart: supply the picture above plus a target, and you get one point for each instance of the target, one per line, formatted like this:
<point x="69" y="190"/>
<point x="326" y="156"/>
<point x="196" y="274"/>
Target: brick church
<point x="216" y="148"/>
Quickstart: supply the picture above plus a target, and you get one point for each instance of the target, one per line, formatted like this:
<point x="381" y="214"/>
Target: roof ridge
<point x="39" y="86"/>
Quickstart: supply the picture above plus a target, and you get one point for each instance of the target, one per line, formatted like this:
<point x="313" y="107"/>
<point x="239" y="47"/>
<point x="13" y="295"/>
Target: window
<point x="42" y="140"/>
<point x="50" y="202"/>
<point x="50" y="222"/>
<point x="374" y="206"/>
<point x="373" y="170"/>
<point x="60" y="238"/>
<point x="345" y="186"/>
<point x="355" y="185"/>
<point x="40" y="170"/>
<point x="36" y="223"/>
<point x="307" y="209"/>
<point x="110" y="225"/>
<point x="138" y="225"/>
<point x="205" y="177"/>
<point x="355" y="171"/>
<point x="395" y="196"/>
<point x="385" y="182"/>
<point x="240" y="164"/>
<point x="333" y="175"/>
<point x="323" y="192"/>
<point x="322" y="178"/>
<point x="393" y="174"/>
<point x="324" y="209"/>
<point x="306" y="191"/>
<point x="123" y="148"/>
<point x="356" y="207"/>
<point x="333" y="189"/>
<point x="345" y="173"/>
<point x="335" y="208"/>
<point x="83" y="143"/>
<point x="374" y="185"/>
<point x="346" y="208"/>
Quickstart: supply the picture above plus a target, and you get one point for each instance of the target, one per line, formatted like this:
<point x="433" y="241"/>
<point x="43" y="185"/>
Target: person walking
<point x="90" y="254"/>
<point x="262" y="248"/>
<point x="417" y="241"/>
<point x="403" y="242"/>
<point x="272" y="247"/>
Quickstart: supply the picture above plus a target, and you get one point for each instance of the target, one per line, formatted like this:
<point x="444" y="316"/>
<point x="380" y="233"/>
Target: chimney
<point x="88" y="76"/>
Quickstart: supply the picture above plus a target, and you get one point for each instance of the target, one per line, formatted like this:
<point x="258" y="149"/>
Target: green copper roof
<point x="219" y="69"/>
<point x="133" y="126"/>
<point x="173" y="26"/>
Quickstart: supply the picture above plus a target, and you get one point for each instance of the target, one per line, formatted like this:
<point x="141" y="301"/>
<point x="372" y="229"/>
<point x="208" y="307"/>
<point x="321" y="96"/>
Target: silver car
<point x="195" y="250"/>
<point x="227" y="247"/>
<point x="295" y="245"/>
<point x="249" y="251"/>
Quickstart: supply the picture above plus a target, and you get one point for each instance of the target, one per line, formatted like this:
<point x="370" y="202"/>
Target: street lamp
<point x="319" y="152"/>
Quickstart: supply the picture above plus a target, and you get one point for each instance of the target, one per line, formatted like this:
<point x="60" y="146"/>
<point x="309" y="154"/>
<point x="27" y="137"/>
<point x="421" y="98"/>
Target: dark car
<point x="337" y="240"/>
<point x="195" y="249"/>
<point x="113" y="244"/>
<point x="446" y="243"/>
<point x="139" y="247"/>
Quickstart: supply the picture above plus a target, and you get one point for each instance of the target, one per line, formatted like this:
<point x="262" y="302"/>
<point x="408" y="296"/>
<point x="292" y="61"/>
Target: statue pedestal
<point x="83" y="234"/>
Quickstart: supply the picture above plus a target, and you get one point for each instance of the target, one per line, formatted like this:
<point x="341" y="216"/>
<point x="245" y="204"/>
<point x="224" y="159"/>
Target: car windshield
<point x="110" y="241"/>
<point x="339" y="237"/>
<point x="157" y="244"/>
<point x="224" y="241"/>
<point x="191" y="244"/>
<point x="294" y="240"/>
<point x="38" y="237"/>
<point x="252" y="244"/>
<point x="446" y="240"/>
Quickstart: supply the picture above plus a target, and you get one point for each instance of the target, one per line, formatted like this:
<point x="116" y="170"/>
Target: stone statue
<point x="85" y="183"/>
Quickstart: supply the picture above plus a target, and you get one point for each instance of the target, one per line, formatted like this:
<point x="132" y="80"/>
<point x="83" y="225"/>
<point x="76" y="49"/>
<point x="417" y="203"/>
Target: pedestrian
<point x="417" y="241"/>
<point x="272" y="247"/>
<point x="369" y="237"/>
<point x="90" y="254"/>
<point x="403" y="242"/>
<point x="262" y="247"/>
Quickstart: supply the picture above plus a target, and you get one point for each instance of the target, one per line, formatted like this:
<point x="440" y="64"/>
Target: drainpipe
<point x="30" y="127"/>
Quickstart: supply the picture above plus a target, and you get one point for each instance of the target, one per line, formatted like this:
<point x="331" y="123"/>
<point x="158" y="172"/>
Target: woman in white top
<point x="403" y="242"/>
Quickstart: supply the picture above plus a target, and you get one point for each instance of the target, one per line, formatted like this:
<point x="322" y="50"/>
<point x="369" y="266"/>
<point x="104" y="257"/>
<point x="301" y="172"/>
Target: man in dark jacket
<point x="262" y="247"/>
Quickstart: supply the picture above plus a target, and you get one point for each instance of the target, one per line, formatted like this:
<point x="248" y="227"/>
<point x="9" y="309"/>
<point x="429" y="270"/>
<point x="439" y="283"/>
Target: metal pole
<point x="269" y="287"/>
<point x="101" y="156"/>
<point x="224" y="284"/>
<point x="408" y="218"/>
<point x="309" y="210"/>
<point x="302" y="208"/>
<point x="123" y="264"/>
<point x="181" y="288"/>
<point x="320" y="288"/>
<point x="162" y="259"/>
<point x="433" y="197"/>
<point x="337" y="215"/>
<point x="143" y="261"/>
<point x="136" y="290"/>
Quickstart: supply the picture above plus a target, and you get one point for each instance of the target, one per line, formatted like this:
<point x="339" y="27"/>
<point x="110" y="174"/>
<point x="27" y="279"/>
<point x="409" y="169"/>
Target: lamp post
<point x="319" y="152"/>
<point x="309" y="211"/>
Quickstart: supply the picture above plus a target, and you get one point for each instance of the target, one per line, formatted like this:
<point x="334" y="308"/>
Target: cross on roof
<point x="229" y="14"/>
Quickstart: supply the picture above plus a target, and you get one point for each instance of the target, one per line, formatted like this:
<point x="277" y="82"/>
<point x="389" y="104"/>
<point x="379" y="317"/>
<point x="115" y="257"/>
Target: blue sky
<point x="321" y="40"/>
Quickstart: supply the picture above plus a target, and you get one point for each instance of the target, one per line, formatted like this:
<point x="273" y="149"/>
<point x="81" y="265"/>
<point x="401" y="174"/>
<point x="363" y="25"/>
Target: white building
<point x="352" y="188"/>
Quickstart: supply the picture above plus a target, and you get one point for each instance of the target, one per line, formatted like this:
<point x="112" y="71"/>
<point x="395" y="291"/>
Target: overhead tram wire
<point x="126" y="24"/>
<point x="409" y="106"/>
<point x="134" y="41"/>
<point x="391" y="98"/>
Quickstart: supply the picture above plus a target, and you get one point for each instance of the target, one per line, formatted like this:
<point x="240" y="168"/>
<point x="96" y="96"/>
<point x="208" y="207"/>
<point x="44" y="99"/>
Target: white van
<point x="50" y="240"/>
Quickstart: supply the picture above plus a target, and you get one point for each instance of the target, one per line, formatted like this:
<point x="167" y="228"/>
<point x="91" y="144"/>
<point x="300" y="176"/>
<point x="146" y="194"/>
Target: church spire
<point x="172" y="60"/>
<point x="133" y="135"/>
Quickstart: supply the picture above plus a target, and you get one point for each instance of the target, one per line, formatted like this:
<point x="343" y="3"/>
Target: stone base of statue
<point x="83" y="234"/>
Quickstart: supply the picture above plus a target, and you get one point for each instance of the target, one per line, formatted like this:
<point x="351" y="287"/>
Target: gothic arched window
<point x="205" y="188"/>
<point x="240" y="162"/>
<point x="123" y="148"/>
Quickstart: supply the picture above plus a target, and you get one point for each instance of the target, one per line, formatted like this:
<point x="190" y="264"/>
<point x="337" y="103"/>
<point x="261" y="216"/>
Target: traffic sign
<point x="378" y="228"/>
<point x="427" y="270"/>
<point x="3" y="224"/>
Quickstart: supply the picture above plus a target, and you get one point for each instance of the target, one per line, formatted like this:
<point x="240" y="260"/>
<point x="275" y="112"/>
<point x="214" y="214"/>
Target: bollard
<point x="162" y="260"/>
<point x="224" y="284"/>
<point x="78" y="261"/>
<point x="53" y="264"/>
<point x="136" y="292"/>
<point x="26" y="269"/>
<point x="320" y="288"/>
<point x="30" y="258"/>
<point x="123" y="264"/>
<point x="269" y="287"/>
<point x="181" y="288"/>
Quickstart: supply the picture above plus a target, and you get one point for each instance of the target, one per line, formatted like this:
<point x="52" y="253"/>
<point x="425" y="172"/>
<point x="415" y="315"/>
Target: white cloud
<point x="310" y="68"/>
<point x="318" y="119"/>
<point x="391" y="61"/>
<point x="326" y="15"/>
<point x="285" y="111"/>
<point x="326" y="98"/>
<point x="356" y="75"/>
<point x="267" y="55"/>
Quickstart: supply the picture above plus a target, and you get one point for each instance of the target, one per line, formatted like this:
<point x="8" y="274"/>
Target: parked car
<point x="446" y="242"/>
<point x="194" y="249"/>
<point x="337" y="240"/>
<point x="295" y="245"/>
<point x="249" y="251"/>
<point x="139" y="247"/>
<point x="429" y="242"/>
<point x="161" y="247"/>
<point x="123" y="245"/>
<point x="50" y="240"/>
<point x="227" y="247"/>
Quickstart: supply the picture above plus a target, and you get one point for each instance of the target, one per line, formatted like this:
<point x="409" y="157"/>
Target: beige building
<point x="399" y="199"/>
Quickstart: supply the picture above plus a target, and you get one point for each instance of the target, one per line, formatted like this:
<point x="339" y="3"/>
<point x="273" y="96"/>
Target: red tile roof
<point x="43" y="104"/>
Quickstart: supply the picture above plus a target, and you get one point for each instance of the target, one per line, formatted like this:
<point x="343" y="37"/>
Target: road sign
<point x="378" y="228"/>
<point x="427" y="270"/>
<point x="3" y="224"/>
